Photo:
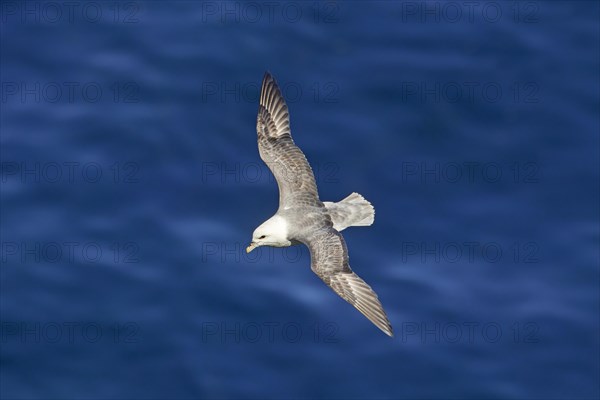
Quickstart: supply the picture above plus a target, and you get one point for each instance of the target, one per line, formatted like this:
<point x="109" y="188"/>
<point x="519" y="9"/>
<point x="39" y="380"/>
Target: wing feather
<point x="277" y="149"/>
<point x="329" y="260"/>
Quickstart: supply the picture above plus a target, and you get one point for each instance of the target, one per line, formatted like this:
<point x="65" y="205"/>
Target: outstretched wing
<point x="329" y="260"/>
<point x="277" y="149"/>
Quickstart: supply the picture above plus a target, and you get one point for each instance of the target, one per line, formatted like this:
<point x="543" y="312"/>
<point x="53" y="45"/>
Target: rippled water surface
<point x="131" y="184"/>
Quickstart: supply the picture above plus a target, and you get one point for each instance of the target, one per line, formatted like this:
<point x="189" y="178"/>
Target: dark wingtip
<point x="269" y="88"/>
<point x="390" y="333"/>
<point x="268" y="77"/>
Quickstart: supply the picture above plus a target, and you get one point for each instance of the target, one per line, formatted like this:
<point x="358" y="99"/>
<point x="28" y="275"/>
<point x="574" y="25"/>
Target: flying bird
<point x="304" y="219"/>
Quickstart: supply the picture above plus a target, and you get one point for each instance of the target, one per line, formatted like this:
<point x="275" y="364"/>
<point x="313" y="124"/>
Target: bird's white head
<point x="272" y="232"/>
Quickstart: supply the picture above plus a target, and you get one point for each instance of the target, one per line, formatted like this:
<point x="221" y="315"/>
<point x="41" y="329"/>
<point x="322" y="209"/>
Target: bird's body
<point x="302" y="217"/>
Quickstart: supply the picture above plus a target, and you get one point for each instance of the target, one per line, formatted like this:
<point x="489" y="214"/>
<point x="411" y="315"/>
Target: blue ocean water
<point x="131" y="184"/>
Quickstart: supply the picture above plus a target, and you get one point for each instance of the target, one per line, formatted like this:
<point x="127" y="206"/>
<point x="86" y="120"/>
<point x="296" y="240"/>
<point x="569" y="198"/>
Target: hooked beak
<point x="251" y="247"/>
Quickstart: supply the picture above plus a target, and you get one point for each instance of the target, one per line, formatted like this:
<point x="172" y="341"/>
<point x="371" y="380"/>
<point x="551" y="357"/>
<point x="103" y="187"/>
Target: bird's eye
<point x="262" y="237"/>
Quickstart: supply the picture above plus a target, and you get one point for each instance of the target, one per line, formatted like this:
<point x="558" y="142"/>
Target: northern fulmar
<point x="304" y="219"/>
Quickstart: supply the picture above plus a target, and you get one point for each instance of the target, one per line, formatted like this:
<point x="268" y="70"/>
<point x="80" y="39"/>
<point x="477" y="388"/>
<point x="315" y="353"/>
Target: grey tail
<point x="354" y="210"/>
